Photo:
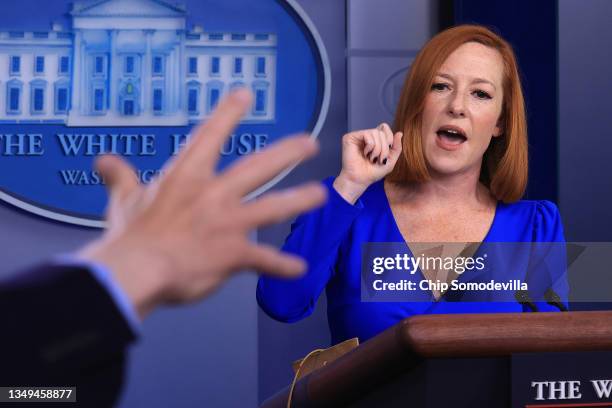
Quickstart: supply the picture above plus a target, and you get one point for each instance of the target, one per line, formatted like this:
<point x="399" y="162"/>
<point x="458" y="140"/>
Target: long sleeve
<point x="316" y="237"/>
<point x="61" y="327"/>
<point x="104" y="277"/>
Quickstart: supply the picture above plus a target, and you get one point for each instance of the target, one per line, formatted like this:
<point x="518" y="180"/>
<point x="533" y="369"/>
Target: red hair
<point x="505" y="163"/>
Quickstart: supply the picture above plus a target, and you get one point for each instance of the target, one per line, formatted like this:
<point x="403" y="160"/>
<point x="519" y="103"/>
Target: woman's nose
<point x="456" y="106"/>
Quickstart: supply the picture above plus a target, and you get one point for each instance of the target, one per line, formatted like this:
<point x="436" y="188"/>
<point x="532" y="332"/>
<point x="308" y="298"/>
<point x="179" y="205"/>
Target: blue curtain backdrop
<point x="531" y="27"/>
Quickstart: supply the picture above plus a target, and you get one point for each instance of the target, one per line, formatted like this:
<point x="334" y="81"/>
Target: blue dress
<point x="330" y="239"/>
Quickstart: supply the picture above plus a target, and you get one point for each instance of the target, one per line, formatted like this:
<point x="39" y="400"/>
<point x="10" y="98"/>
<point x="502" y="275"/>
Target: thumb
<point x="119" y="175"/>
<point x="396" y="148"/>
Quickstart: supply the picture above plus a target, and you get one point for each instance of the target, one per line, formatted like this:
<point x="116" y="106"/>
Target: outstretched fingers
<point x="268" y="260"/>
<point x="119" y="175"/>
<point x="200" y="155"/>
<point x="281" y="205"/>
<point x="255" y="170"/>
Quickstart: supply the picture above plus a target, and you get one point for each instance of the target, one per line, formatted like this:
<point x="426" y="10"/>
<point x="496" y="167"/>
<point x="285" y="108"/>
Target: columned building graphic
<point x="132" y="63"/>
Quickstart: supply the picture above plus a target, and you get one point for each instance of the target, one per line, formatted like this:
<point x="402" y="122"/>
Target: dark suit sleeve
<point x="61" y="328"/>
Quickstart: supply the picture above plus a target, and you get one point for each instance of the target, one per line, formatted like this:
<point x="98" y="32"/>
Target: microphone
<point x="553" y="299"/>
<point x="522" y="296"/>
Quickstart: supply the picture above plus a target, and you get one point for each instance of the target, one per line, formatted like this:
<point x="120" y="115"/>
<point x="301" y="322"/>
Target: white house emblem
<point x="131" y="77"/>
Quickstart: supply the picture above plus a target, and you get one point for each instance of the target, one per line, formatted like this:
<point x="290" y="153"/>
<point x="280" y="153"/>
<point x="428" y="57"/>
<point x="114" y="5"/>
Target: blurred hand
<point x="367" y="156"/>
<point x="181" y="236"/>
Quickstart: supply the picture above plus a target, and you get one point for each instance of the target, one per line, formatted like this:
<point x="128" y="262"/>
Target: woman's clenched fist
<point x="367" y="156"/>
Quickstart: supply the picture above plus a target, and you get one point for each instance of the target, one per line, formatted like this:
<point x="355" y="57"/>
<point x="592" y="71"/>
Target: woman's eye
<point x="439" y="86"/>
<point x="482" y="94"/>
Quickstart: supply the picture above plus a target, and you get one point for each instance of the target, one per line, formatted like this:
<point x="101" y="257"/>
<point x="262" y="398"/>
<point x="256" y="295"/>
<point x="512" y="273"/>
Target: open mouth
<point x="451" y="136"/>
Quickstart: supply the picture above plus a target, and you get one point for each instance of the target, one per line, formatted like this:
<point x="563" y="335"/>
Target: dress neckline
<point x="406" y="243"/>
<point x="389" y="211"/>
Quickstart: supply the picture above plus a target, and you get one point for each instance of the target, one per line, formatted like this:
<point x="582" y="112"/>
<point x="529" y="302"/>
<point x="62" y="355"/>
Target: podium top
<point x="485" y="335"/>
<point x="407" y="343"/>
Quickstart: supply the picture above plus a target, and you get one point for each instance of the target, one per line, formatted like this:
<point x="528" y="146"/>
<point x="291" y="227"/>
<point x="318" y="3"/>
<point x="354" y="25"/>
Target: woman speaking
<point x="452" y="169"/>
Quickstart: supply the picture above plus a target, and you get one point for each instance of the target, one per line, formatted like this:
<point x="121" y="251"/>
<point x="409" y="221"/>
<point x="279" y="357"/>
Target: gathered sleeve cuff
<point x="551" y="279"/>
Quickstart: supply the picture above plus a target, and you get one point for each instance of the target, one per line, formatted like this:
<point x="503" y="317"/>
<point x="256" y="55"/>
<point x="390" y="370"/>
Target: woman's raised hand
<point x="367" y="156"/>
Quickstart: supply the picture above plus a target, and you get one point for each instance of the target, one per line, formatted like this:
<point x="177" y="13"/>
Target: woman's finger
<point x="388" y="134"/>
<point x="375" y="155"/>
<point x="384" y="154"/>
<point x="369" y="143"/>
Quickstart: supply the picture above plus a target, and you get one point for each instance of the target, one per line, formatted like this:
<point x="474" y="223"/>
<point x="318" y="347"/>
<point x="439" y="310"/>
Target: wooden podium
<point x="446" y="360"/>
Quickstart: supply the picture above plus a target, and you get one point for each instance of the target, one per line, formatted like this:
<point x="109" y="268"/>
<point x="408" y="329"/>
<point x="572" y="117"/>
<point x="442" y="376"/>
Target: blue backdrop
<point x="299" y="90"/>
